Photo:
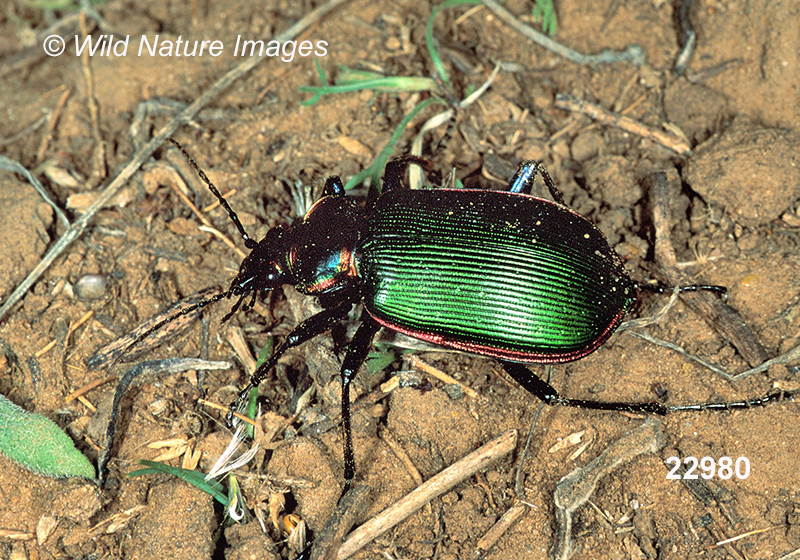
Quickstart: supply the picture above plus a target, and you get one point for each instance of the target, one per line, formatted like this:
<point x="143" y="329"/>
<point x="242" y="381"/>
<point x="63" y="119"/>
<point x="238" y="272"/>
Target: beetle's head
<point x="264" y="268"/>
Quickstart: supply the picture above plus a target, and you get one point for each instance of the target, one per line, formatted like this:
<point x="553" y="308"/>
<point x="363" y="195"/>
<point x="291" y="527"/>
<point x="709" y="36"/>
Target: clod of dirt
<point x="614" y="177"/>
<point x="587" y="145"/>
<point x="178" y="523"/>
<point x="317" y="489"/>
<point x="249" y="541"/>
<point x="694" y="108"/>
<point x="750" y="170"/>
<point x="78" y="505"/>
<point x="24" y="221"/>
<point x="434" y="430"/>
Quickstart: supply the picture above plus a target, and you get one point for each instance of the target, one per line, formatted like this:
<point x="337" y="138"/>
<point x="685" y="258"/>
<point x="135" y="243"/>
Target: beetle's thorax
<point x="316" y="255"/>
<point x="320" y="250"/>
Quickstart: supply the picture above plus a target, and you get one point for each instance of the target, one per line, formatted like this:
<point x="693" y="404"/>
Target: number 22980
<point x="725" y="468"/>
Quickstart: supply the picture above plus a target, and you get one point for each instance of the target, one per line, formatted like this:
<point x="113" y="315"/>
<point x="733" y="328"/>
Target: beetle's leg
<point x="549" y="395"/>
<point x="333" y="187"/>
<point x="395" y="172"/>
<point x="775" y="396"/>
<point x="308" y="329"/>
<point x="659" y="289"/>
<point x="522" y="181"/>
<point x="353" y="360"/>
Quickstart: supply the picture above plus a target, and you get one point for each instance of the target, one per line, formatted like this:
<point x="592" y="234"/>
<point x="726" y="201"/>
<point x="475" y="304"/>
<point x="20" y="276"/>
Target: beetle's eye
<point x="274" y="275"/>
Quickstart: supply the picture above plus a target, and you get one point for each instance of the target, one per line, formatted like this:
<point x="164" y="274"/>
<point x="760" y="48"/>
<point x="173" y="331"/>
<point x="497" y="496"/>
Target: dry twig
<point x="716" y="312"/>
<point x="666" y="139"/>
<point x="99" y="171"/>
<point x="439" y="484"/>
<point x="633" y="54"/>
<point x="577" y="487"/>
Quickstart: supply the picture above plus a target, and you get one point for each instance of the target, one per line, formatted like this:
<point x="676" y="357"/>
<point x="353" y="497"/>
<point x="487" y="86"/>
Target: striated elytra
<point x="505" y="275"/>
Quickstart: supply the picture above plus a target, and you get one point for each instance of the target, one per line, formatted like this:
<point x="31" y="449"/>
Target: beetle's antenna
<point x="106" y="452"/>
<point x="249" y="242"/>
<point x="168" y="319"/>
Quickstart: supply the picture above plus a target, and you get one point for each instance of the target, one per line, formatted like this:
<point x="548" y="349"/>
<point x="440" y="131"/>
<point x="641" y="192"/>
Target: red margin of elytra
<point x="510" y="355"/>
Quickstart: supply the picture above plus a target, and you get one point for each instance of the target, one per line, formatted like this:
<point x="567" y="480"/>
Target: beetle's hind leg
<point x="543" y="390"/>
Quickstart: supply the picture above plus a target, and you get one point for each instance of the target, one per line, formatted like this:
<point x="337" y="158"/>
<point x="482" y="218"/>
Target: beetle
<point x="497" y="273"/>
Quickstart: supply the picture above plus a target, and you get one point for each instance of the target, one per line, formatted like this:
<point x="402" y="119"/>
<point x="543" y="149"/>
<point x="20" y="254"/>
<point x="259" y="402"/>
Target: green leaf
<point x="36" y="443"/>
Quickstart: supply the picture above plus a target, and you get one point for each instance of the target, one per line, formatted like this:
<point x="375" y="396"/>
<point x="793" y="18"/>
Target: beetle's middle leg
<point x="356" y="354"/>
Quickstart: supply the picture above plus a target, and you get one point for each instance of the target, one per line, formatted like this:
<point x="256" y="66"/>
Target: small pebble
<point x="90" y="287"/>
<point x="791" y="220"/>
<point x="454" y="391"/>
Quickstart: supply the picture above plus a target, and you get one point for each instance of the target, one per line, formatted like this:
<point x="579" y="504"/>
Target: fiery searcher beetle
<point x="496" y="273"/>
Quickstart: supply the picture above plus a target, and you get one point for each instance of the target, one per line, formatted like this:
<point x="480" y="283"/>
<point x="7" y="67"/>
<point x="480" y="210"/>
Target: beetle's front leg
<point x="308" y="329"/>
<point x="356" y="354"/>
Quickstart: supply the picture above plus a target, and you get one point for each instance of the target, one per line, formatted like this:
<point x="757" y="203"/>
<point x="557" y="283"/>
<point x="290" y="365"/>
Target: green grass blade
<point x="435" y="58"/>
<point x="195" y="478"/>
<point x="544" y="11"/>
<point x="374" y="171"/>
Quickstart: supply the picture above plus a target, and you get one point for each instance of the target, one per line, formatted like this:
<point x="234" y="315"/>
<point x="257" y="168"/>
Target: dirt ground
<point x="735" y="203"/>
